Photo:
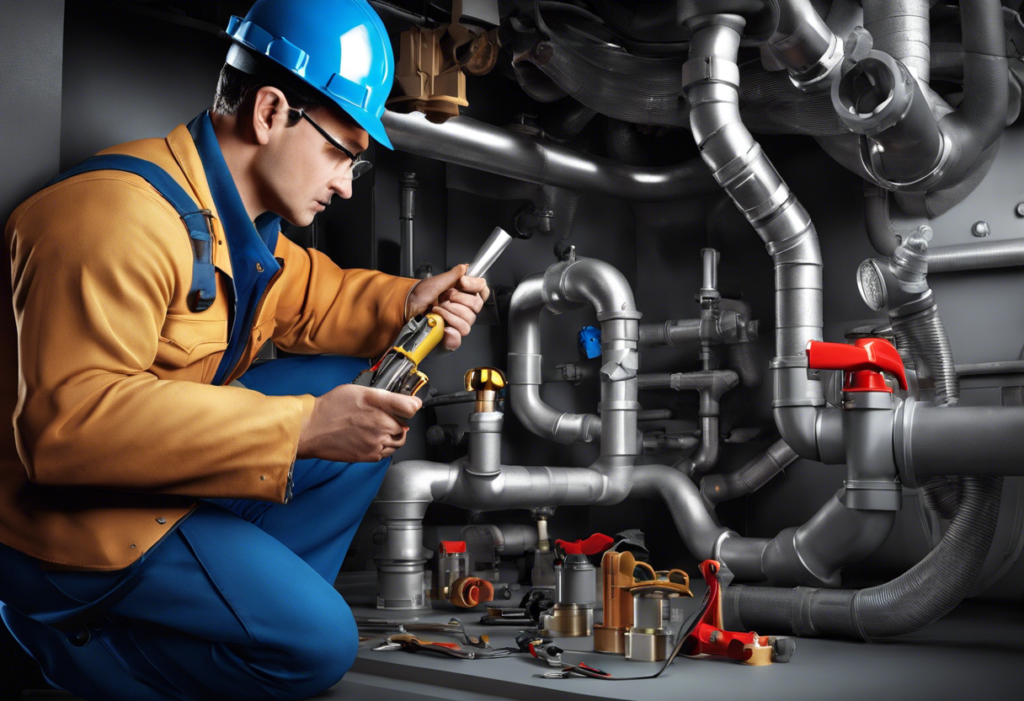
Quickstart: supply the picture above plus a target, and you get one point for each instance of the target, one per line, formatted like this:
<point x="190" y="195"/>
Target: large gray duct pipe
<point x="905" y="145"/>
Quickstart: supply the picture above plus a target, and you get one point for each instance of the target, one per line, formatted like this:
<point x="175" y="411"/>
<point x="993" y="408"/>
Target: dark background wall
<point x="78" y="76"/>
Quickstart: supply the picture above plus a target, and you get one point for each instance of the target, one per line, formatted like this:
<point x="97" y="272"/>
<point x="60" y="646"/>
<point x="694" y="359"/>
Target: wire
<point x="687" y="627"/>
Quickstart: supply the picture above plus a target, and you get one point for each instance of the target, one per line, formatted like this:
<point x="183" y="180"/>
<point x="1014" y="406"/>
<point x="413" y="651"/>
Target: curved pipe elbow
<point x="411" y="485"/>
<point x="592" y="281"/>
<point x="699" y="531"/>
<point x="542" y="420"/>
<point x="805" y="45"/>
<point x="903" y="146"/>
<point x="798" y="427"/>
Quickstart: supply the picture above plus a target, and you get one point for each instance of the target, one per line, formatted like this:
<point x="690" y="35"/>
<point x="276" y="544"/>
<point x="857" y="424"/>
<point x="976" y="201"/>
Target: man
<point x="172" y="525"/>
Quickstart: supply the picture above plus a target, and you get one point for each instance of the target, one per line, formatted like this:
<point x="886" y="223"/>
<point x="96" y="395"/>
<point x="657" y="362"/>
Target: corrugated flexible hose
<point x="922" y="595"/>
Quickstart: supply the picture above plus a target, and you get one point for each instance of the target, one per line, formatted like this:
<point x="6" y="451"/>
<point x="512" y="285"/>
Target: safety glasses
<point x="359" y="164"/>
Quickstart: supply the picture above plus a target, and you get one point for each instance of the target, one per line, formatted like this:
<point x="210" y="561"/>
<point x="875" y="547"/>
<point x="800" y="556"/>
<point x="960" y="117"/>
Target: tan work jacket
<point x="116" y="427"/>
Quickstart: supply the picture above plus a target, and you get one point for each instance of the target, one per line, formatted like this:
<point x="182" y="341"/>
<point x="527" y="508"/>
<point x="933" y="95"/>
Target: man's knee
<point x="321" y="645"/>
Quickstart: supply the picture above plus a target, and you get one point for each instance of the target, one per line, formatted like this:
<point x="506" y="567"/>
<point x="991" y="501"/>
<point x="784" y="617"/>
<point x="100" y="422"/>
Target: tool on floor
<point x="453" y="627"/>
<point x="708" y="637"/>
<point x="575" y="588"/>
<point x="506" y="617"/>
<point x="398" y="369"/>
<point x="648" y="639"/>
<point x="410" y="643"/>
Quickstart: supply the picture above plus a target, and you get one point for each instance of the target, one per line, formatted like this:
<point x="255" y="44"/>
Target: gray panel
<point x="31" y="51"/>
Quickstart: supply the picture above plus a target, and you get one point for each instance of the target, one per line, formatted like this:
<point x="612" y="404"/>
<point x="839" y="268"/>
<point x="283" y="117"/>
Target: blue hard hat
<point x="339" y="47"/>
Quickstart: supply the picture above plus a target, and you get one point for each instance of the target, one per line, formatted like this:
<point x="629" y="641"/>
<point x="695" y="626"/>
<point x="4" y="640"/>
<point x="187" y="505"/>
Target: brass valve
<point x="485" y="382"/>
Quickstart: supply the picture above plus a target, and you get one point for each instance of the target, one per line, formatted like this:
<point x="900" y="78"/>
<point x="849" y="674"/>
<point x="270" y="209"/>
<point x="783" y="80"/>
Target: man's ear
<point x="270" y="108"/>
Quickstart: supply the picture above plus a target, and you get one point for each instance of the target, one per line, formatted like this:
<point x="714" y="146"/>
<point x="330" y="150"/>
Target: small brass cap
<point x="485" y="382"/>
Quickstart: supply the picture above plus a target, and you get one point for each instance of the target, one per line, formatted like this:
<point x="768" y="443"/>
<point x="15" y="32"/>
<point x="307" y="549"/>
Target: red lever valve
<point x="594" y="545"/>
<point x="863" y="363"/>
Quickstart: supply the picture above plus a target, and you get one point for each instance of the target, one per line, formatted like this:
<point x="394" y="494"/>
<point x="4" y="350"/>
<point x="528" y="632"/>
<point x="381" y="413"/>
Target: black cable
<point x="687" y="627"/>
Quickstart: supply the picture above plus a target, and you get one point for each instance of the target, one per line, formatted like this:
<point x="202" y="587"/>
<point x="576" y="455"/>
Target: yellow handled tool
<point x="398" y="370"/>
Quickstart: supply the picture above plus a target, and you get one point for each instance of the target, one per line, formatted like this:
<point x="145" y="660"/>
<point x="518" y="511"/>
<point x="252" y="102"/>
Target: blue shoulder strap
<point x="204" y="281"/>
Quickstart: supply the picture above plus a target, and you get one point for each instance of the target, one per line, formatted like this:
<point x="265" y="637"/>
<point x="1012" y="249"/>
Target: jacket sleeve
<point x="325" y="309"/>
<point x="95" y="265"/>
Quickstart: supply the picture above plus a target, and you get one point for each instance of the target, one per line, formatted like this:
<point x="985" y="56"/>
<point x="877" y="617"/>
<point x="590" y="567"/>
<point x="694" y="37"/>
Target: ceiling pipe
<point x="467" y="142"/>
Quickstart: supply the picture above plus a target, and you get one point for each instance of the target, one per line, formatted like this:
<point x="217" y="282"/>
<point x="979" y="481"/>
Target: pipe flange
<point x="870" y="158"/>
<point x="819" y="77"/>
<point x="903" y="425"/>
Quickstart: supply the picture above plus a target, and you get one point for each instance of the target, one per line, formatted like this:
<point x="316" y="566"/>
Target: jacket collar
<point x="198" y="153"/>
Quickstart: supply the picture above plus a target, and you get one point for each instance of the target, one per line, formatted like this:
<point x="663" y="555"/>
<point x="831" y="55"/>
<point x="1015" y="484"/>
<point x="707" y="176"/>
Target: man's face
<point x="300" y="170"/>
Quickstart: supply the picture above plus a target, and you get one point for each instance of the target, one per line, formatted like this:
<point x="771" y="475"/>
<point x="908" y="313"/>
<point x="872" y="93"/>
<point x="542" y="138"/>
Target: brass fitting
<point x="485" y="382"/>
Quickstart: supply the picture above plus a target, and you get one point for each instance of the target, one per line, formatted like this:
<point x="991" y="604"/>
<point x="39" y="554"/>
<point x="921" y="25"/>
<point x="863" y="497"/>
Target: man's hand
<point x="356" y="424"/>
<point x="457" y="298"/>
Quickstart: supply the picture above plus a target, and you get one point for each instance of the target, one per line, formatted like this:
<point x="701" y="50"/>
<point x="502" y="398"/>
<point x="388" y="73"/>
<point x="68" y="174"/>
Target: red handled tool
<point x="710" y="638"/>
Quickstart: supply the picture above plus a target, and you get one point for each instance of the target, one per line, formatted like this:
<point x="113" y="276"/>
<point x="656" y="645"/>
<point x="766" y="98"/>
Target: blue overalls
<point x="238" y="601"/>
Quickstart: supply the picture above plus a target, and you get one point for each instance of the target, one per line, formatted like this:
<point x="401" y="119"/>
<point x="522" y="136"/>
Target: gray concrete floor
<point x="975" y="652"/>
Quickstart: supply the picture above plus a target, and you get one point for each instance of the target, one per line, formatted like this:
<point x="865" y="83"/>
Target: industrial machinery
<point x="763" y="307"/>
<point x="882" y="399"/>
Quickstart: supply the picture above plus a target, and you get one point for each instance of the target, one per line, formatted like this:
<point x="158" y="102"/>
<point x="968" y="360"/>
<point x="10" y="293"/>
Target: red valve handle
<point x="452" y="547"/>
<point x="594" y="545"/>
<point x="862" y="362"/>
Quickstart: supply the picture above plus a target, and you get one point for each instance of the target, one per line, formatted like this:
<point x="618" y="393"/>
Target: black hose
<point x="981" y="117"/>
<point x="942" y="495"/>
<point x="881" y="233"/>
<point x="566" y="118"/>
<point x="743" y="358"/>
<point x="919" y="597"/>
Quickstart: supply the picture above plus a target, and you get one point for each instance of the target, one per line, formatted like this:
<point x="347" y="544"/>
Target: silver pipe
<point x="407" y="220"/>
<point x="674" y="332"/>
<point x="813" y="554"/>
<point x="493" y="247"/>
<point x="999" y="367"/>
<point x="901" y="28"/>
<point x="976" y="256"/>
<point x="467" y="142"/>
<point x="805" y="45"/>
<point x="569" y="285"/>
<point x="711" y="83"/>
<point x="481" y="482"/>
<point x="698" y="530"/>
<point x="748" y="479"/>
<point x="525" y="372"/>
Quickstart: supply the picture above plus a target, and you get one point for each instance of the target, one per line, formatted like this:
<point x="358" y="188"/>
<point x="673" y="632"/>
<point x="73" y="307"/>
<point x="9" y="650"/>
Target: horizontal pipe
<point x="964" y="441"/>
<point x="976" y="256"/>
<point x="467" y="142"/>
<point x="999" y="367"/>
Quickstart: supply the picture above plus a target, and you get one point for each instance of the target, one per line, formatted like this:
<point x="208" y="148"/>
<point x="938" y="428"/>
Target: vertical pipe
<point x="407" y="221"/>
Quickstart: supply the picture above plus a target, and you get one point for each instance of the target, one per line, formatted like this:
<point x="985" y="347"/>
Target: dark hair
<point x="236" y="91"/>
<point x="237" y="88"/>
